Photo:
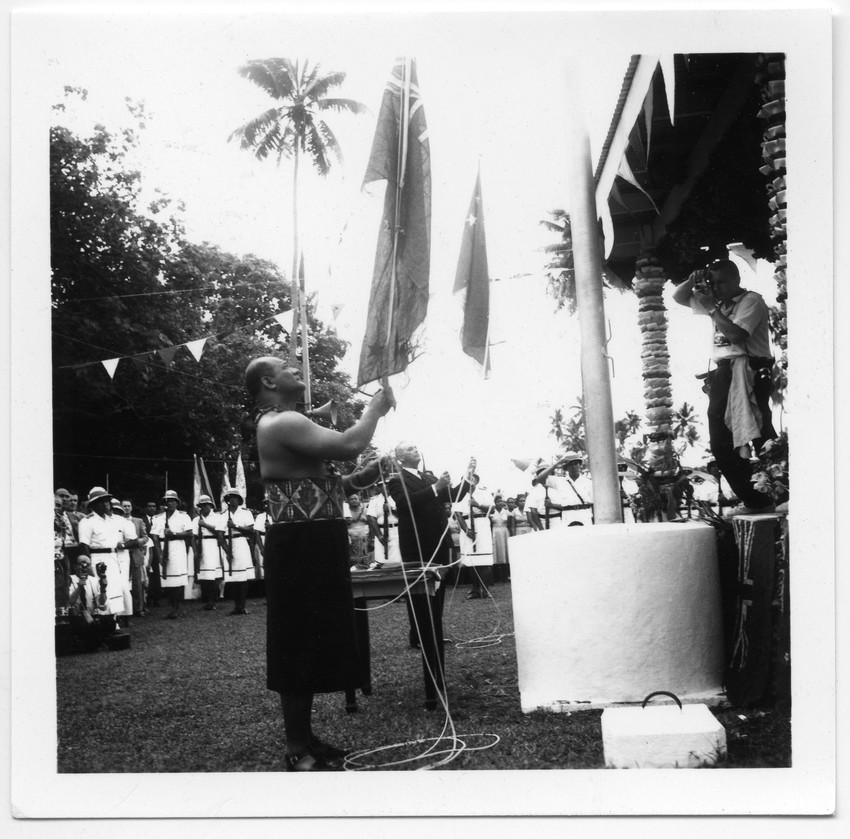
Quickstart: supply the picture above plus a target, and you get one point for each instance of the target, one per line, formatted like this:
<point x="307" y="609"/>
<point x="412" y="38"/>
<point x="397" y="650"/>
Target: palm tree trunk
<point x="295" y="296"/>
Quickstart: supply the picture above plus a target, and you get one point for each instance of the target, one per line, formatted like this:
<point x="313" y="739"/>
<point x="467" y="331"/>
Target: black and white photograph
<point x="435" y="389"/>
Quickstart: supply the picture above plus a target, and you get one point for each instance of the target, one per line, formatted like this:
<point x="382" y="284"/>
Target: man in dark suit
<point x="424" y="539"/>
<point x="153" y="560"/>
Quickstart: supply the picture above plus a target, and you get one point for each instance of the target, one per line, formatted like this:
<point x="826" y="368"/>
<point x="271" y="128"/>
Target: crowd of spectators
<point x="114" y="559"/>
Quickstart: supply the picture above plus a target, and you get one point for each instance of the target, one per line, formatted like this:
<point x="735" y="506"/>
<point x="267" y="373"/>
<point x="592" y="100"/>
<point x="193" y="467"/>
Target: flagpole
<point x="401" y="165"/>
<point x="596" y="383"/>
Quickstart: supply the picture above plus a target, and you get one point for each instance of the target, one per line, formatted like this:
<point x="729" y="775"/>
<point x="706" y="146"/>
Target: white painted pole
<point x="596" y="384"/>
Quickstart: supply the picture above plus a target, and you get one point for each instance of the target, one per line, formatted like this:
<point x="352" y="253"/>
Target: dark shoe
<point x="307" y="762"/>
<point x="238" y="612"/>
<point x="209" y="607"/>
<point x="330" y="754"/>
<point x="171" y="616"/>
<point x="473" y="595"/>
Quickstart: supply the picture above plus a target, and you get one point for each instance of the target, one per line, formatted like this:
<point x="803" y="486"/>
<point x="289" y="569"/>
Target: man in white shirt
<point x="383" y="522"/>
<point x="100" y="539"/>
<point x="740" y="385"/>
<point x="571" y="494"/>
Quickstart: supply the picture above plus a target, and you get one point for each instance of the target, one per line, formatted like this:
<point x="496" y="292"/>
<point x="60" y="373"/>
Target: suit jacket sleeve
<point x="409" y="498"/>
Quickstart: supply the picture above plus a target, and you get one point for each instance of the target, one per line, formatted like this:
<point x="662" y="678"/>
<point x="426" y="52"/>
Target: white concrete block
<point x="662" y="737"/>
<point x="610" y="613"/>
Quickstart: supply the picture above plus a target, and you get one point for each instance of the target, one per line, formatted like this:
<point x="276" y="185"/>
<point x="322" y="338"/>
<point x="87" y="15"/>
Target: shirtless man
<point x="310" y="644"/>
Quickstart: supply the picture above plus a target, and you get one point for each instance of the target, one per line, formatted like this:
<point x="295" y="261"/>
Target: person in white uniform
<point x="100" y="538"/>
<point x="206" y="552"/>
<point x="236" y="527"/>
<point x="381" y="517"/>
<point x="476" y="542"/>
<point x="130" y="540"/>
<point x="571" y="494"/>
<point x="173" y="532"/>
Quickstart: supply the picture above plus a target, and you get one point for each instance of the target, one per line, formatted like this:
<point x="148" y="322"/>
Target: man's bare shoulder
<point x="283" y="421"/>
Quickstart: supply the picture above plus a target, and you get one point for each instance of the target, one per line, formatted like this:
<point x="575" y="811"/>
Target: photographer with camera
<point x="90" y="619"/>
<point x="739" y="386"/>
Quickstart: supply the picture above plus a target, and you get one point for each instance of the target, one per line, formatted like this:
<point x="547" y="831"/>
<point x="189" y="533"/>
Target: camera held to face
<point x="702" y="281"/>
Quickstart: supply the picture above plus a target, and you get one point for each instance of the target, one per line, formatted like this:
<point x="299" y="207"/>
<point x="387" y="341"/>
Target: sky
<point x="498" y="93"/>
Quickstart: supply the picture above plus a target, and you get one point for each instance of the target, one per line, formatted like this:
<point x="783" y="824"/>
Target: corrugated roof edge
<point x="621" y="101"/>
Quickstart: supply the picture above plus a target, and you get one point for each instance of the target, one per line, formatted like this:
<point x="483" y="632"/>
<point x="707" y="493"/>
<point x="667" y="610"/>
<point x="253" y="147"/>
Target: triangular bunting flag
<point x="336" y="308"/>
<point x="167" y="355"/>
<point x="140" y="361"/>
<point x="110" y="365"/>
<point x="196" y="348"/>
<point x="285" y="320"/>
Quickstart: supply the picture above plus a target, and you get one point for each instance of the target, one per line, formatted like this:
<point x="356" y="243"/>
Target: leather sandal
<point x="307" y="762"/>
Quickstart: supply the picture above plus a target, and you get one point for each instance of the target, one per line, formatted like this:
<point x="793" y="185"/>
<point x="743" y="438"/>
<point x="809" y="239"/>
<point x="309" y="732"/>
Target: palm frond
<point x="316" y="148"/>
<point x="261" y="134"/>
<point x="341" y="105"/>
<point x="330" y="140"/>
<point x="274" y="75"/>
<point x="320" y="85"/>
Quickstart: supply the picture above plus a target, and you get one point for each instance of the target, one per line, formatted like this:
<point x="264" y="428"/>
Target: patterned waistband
<point x="102" y="550"/>
<point x="305" y="499"/>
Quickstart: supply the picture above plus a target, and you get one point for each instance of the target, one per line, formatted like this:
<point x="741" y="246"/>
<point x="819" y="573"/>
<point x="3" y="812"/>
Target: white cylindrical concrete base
<point x="609" y="613"/>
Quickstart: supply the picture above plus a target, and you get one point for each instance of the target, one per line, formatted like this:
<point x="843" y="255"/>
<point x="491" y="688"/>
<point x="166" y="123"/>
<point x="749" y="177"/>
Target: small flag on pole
<point x="472" y="284"/>
<point x="226" y="486"/>
<point x="401" y="155"/>
<point x="241" y="485"/>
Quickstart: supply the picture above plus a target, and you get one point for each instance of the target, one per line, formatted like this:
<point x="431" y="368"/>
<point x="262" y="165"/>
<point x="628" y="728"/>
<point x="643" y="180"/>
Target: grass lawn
<point x="190" y="696"/>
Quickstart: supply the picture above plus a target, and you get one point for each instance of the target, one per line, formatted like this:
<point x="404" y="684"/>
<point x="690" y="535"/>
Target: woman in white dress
<point x="173" y="531"/>
<point x="236" y="526"/>
<point x="499" y="516"/>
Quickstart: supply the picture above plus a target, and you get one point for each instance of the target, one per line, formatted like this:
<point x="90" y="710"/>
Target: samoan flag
<point x="472" y="284"/>
<point x="398" y="300"/>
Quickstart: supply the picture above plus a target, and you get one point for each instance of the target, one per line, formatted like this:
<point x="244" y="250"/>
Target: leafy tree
<point x="294" y="127"/>
<point x="126" y="282"/>
<point x="625" y="428"/>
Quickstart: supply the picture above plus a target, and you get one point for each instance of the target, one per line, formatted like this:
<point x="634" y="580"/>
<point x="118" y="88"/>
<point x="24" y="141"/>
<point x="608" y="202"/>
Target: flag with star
<point x="472" y="284"/>
<point x="401" y="156"/>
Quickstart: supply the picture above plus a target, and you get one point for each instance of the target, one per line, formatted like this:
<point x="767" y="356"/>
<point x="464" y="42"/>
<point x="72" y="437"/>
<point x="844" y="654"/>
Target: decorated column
<point x="771" y="75"/>
<point x="655" y="360"/>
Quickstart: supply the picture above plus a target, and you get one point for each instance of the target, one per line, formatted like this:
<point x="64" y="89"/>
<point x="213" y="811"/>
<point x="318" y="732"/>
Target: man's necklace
<point x="260" y="411"/>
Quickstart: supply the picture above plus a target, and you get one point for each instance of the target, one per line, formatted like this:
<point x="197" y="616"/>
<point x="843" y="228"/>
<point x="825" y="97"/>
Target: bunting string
<point x="157" y="293"/>
<point x="167" y="354"/>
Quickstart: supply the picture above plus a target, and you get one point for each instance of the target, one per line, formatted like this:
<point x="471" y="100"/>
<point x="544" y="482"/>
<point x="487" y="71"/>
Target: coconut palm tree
<point x="291" y="128"/>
